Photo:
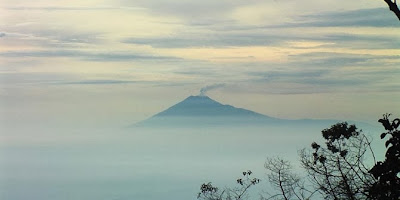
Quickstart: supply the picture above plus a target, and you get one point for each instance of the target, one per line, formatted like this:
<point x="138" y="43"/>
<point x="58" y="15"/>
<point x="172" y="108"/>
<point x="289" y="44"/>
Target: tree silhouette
<point x="387" y="172"/>
<point x="287" y="184"/>
<point x="393" y="7"/>
<point x="337" y="170"/>
<point x="209" y="192"/>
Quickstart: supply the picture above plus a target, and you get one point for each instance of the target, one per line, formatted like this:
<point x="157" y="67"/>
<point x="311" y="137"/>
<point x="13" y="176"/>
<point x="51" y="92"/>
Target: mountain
<point x="204" y="106"/>
<point x="202" y="111"/>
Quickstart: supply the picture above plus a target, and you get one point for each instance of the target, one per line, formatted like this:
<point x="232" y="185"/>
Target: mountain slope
<point x="197" y="106"/>
<point x="203" y="111"/>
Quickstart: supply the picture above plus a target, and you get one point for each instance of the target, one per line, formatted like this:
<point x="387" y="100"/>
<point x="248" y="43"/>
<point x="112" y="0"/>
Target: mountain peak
<point x="199" y="100"/>
<point x="197" y="97"/>
<point x="192" y="106"/>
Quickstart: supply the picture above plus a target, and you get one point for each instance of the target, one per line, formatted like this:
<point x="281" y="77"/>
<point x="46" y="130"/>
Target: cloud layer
<point x="269" y="47"/>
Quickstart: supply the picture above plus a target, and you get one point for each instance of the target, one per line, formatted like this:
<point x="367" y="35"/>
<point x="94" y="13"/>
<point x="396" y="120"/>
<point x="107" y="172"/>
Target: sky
<point x="98" y="63"/>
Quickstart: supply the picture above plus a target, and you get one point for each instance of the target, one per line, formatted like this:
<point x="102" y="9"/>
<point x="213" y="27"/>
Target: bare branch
<point x="393" y="7"/>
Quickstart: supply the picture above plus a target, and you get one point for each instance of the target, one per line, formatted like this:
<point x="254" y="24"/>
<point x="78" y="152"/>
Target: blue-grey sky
<point x="97" y="62"/>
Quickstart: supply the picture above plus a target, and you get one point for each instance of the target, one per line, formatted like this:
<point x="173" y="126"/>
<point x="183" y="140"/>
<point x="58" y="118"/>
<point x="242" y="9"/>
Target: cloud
<point x="35" y="34"/>
<point x="330" y="72"/>
<point x="69" y="8"/>
<point x="212" y="40"/>
<point x="209" y="26"/>
<point x="376" y="17"/>
<point x="270" y="37"/>
<point x="13" y="78"/>
<point x="101" y="56"/>
<point x="31" y="34"/>
<point x="97" y="82"/>
<point x="230" y="33"/>
<point x="332" y="60"/>
<point x="123" y="82"/>
<point x="297" y="82"/>
<point x="289" y="75"/>
<point x="362" y="41"/>
<point x="39" y="78"/>
<point x="189" y="9"/>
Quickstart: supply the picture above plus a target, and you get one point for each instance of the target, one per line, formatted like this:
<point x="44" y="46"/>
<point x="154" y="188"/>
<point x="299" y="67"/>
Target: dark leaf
<point x="343" y="153"/>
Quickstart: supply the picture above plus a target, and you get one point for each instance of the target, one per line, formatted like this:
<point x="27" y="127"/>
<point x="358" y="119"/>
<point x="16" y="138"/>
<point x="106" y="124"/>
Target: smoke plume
<point x="207" y="88"/>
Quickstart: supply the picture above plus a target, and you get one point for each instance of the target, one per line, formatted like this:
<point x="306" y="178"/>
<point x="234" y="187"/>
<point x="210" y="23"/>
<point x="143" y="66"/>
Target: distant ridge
<point x="202" y="111"/>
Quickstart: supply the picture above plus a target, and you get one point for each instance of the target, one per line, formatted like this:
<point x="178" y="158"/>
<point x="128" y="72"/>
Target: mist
<point x="167" y="156"/>
<point x="140" y="163"/>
